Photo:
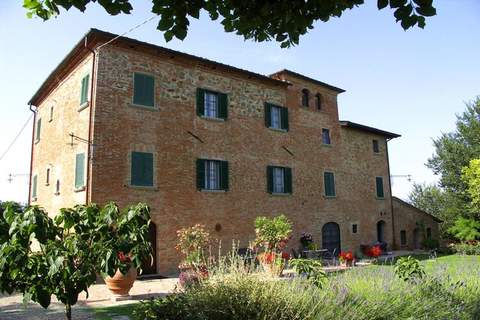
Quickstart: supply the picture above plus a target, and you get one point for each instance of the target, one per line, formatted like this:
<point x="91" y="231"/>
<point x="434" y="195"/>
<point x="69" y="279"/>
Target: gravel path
<point x="12" y="308"/>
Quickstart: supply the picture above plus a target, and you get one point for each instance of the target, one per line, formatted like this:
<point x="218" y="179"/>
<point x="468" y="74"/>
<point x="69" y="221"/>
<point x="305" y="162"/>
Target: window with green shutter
<point x="379" y="184"/>
<point x="276" y="117"/>
<point x="211" y="104"/>
<point x="80" y="170"/>
<point x="38" y="130"/>
<point x="142" y="169"/>
<point x="143" y="90"/>
<point x="329" y="181"/>
<point x="212" y="175"/>
<point x="279" y="180"/>
<point x="84" y="90"/>
<point x="34" y="186"/>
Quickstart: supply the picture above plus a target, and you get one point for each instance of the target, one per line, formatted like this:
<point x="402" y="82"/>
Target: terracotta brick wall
<point x="243" y="141"/>
<point x="54" y="150"/>
<point x="411" y="220"/>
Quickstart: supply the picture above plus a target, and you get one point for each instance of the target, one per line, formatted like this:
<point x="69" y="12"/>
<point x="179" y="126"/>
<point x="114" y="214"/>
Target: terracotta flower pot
<point x="120" y="284"/>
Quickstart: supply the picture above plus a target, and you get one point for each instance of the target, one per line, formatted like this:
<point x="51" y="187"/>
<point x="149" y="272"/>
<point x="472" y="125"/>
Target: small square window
<point x="326" y="136"/>
<point x="376" y="147"/>
<point x="354" y="228"/>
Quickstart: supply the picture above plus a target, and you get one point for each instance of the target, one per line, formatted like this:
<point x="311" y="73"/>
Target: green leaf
<point x="382" y="4"/>
<point x="426" y="11"/>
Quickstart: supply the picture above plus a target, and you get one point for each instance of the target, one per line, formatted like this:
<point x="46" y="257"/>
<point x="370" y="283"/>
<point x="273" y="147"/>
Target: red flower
<point x="374" y="251"/>
<point x="122" y="257"/>
<point x="285" y="256"/>
<point x="347" y="256"/>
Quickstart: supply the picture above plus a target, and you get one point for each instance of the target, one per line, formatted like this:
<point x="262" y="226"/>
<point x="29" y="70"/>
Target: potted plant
<point x="346" y="258"/>
<point x="306" y="241"/>
<point x="192" y="242"/>
<point x="272" y="235"/>
<point x="122" y="243"/>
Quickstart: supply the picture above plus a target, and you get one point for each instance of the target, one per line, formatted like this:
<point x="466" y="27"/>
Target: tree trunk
<point x="68" y="311"/>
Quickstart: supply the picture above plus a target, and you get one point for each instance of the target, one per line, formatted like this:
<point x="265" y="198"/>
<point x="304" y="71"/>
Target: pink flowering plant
<point x="192" y="242"/>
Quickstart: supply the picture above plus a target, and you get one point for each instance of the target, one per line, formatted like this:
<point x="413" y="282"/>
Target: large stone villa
<point x="204" y="142"/>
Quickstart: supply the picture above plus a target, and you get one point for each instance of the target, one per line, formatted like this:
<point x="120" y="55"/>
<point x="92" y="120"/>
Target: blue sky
<point x="412" y="83"/>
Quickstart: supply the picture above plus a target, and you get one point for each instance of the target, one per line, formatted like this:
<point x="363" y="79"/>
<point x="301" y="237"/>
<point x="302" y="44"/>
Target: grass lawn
<point x="107" y="313"/>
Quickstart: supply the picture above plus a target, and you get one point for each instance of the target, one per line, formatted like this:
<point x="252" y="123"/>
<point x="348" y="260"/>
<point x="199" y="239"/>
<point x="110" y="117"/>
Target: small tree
<point x="70" y="249"/>
<point x="272" y="234"/>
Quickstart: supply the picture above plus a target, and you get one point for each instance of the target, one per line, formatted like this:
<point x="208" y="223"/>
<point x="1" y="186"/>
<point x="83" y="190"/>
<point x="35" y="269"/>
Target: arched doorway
<point x="149" y="266"/>
<point x="331" y="237"/>
<point x="381" y="231"/>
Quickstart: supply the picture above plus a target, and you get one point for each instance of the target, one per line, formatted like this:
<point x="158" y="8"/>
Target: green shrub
<point x="409" y="269"/>
<point x="430" y="244"/>
<point x="467" y="248"/>
<point x="311" y="269"/>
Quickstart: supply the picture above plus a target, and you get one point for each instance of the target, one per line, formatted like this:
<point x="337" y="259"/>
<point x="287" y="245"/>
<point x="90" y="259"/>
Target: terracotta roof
<point x="362" y="127"/>
<point x="301" y="76"/>
<point x="417" y="209"/>
<point x="102" y="36"/>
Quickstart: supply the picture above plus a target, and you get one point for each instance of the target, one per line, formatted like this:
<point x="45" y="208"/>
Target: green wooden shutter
<point x="84" y="89"/>
<point x="288" y="180"/>
<point x="39" y="129"/>
<point x="284" y="119"/>
<point x="142" y="169"/>
<point x="200" y="174"/>
<point x="224" y="175"/>
<point x="222" y="106"/>
<point x="329" y="180"/>
<point x="200" y="102"/>
<point x="379" y="183"/>
<point x="80" y="170"/>
<point x="34" y="186"/>
<point x="268" y="115"/>
<point x="143" y="90"/>
<point x="269" y="179"/>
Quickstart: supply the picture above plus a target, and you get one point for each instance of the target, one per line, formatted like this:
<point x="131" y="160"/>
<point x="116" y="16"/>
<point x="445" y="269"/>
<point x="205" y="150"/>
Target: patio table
<point x="314" y="254"/>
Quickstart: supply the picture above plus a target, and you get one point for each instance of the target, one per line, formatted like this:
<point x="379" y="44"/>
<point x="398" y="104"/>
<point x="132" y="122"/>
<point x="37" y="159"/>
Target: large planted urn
<point x="120" y="284"/>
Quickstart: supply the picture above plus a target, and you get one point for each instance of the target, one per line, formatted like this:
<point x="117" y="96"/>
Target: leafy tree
<point x="466" y="229"/>
<point x="282" y="20"/>
<point x="440" y="203"/>
<point x="70" y="249"/>
<point x="471" y="176"/>
<point x="428" y="198"/>
<point x="454" y="150"/>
